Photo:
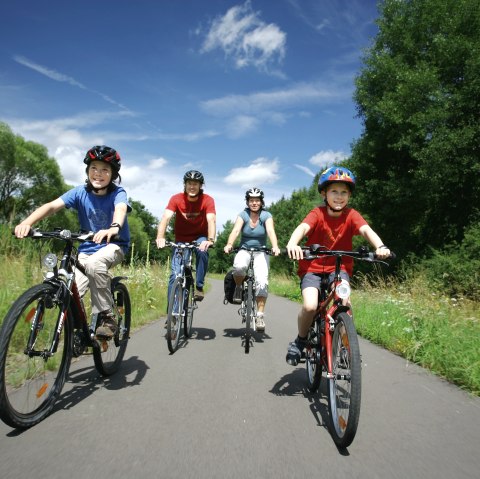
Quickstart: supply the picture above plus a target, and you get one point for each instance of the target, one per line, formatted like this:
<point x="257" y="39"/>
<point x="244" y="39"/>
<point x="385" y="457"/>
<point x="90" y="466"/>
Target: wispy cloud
<point x="306" y="170"/>
<point x="260" y="171"/>
<point x="60" y="77"/>
<point x="248" y="40"/>
<point x="297" y="95"/>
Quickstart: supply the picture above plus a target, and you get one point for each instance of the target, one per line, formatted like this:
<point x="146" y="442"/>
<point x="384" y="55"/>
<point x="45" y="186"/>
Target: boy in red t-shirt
<point x="195" y="220"/>
<point x="332" y="226"/>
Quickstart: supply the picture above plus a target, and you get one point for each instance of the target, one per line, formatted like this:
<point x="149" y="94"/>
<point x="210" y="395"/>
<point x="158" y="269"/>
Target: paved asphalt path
<point x="212" y="411"/>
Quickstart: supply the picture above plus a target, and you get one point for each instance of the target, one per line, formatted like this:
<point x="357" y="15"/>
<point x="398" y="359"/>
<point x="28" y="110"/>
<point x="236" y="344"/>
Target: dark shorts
<point x="314" y="280"/>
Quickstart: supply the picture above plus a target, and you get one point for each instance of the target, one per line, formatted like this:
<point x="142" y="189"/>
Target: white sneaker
<point x="259" y="322"/>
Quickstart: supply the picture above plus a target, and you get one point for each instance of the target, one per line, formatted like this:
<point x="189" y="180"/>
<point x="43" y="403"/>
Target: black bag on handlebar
<point x="229" y="287"/>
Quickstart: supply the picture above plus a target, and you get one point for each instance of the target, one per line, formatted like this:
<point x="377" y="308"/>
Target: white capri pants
<point x="98" y="278"/>
<point x="260" y="268"/>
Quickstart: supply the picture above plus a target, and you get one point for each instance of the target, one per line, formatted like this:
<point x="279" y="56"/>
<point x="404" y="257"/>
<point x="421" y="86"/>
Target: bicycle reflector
<point x="343" y="289"/>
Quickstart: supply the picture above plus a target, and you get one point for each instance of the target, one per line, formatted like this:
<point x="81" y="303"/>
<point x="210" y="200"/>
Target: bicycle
<point x="248" y="308"/>
<point x="181" y="301"/>
<point x="47" y="326"/>
<point x="333" y="348"/>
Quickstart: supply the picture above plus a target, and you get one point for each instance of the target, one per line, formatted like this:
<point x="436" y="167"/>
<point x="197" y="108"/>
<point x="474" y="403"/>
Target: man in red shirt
<point x="195" y="220"/>
<point x="333" y="226"/>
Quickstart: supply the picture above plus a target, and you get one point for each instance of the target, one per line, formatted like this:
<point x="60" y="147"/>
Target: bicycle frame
<point x="64" y="279"/>
<point x="248" y="307"/>
<point x="181" y="300"/>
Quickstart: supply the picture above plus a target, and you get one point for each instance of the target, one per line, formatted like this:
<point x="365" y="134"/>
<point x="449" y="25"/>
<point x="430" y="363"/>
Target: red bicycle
<point x="333" y="348"/>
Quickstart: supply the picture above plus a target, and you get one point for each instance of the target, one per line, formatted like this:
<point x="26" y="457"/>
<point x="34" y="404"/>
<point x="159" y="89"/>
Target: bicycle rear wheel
<point x="190" y="306"/>
<point x="313" y="357"/>
<point x="31" y="379"/>
<point x="344" y="391"/>
<point x="249" y="316"/>
<point x="175" y="315"/>
<point x="109" y="355"/>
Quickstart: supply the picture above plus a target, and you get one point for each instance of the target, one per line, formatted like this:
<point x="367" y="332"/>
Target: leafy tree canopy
<point x="418" y="96"/>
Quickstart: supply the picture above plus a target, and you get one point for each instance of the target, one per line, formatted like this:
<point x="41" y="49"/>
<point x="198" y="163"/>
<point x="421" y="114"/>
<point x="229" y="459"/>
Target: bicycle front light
<point x="50" y="261"/>
<point x="343" y="289"/>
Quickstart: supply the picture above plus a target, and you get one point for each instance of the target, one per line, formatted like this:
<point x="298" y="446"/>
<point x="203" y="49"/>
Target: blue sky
<point x="251" y="93"/>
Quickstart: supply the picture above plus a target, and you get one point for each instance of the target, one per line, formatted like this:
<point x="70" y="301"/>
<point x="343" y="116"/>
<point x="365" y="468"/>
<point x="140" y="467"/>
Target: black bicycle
<point x="248" y="308"/>
<point x="181" y="301"/>
<point x="333" y="347"/>
<point x="47" y="326"/>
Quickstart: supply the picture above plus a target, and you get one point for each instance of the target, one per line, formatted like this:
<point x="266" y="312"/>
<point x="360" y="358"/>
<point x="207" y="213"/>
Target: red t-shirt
<point x="335" y="233"/>
<point x="190" y="216"/>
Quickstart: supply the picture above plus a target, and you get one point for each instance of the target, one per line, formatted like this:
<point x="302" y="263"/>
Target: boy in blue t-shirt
<point x="102" y="207"/>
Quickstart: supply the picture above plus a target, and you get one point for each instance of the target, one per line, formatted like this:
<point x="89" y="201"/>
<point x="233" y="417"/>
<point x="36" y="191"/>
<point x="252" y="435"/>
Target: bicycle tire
<point x="175" y="315"/>
<point x="313" y="363"/>
<point x="109" y="355"/>
<point x="190" y="305"/>
<point x="344" y="389"/>
<point x="31" y="384"/>
<point x="249" y="316"/>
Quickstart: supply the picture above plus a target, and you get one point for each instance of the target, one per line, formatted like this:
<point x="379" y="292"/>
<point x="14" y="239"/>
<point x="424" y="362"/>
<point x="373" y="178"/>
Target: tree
<point x="28" y="179"/>
<point x="418" y="96"/>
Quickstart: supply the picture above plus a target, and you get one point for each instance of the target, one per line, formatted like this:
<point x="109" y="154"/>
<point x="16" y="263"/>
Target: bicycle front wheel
<point x="313" y="357"/>
<point x="31" y="376"/>
<point x="109" y="355"/>
<point x="344" y="392"/>
<point x="250" y="320"/>
<point x="190" y="306"/>
<point x="175" y="315"/>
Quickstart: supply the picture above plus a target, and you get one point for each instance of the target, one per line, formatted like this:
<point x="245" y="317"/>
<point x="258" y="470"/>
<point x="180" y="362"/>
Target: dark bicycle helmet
<point x="103" y="153"/>
<point x="193" y="175"/>
<point x="336" y="174"/>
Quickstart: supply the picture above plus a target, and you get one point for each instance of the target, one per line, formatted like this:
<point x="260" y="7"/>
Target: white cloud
<point x="247" y="39"/>
<point x="60" y="77"/>
<point x="157" y="163"/>
<point x="305" y="169"/>
<point x="328" y="157"/>
<point x="297" y="95"/>
<point x="260" y="171"/>
<point x="241" y="125"/>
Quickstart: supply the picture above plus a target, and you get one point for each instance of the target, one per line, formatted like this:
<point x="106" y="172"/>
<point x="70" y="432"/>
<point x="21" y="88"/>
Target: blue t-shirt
<point x="254" y="237"/>
<point x="95" y="213"/>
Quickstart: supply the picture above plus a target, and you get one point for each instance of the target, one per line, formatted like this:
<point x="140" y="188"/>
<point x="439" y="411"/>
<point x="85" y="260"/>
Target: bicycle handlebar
<point x="253" y="249"/>
<point x="191" y="245"/>
<point x="65" y="235"/>
<point x="363" y="254"/>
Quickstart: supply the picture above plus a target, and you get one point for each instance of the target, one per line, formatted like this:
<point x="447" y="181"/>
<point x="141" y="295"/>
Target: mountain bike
<point x="333" y="347"/>
<point x="47" y="326"/>
<point x="248" y="307"/>
<point x="181" y="300"/>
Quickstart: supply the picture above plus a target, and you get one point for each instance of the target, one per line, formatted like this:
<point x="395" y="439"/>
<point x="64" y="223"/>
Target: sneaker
<point x="259" y="322"/>
<point x="198" y="294"/>
<point x="237" y="295"/>
<point x="108" y="326"/>
<point x="294" y="352"/>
